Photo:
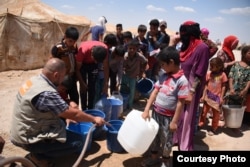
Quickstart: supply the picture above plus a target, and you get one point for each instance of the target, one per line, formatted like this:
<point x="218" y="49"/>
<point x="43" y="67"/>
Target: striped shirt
<point x="171" y="88"/>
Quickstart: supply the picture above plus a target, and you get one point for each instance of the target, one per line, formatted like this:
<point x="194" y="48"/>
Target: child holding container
<point x="213" y="93"/>
<point x="168" y="99"/>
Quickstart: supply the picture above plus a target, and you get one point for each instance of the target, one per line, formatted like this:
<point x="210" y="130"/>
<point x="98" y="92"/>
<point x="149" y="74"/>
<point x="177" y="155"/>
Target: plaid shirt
<point x="50" y="101"/>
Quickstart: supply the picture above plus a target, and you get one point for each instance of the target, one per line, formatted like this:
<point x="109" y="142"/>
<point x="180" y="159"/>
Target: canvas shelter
<point x="28" y="30"/>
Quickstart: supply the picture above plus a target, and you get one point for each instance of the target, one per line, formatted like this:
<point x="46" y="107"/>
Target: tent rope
<point x="59" y="26"/>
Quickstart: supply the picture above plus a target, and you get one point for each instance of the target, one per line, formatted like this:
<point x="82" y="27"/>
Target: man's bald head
<point x="54" y="65"/>
<point x="54" y="70"/>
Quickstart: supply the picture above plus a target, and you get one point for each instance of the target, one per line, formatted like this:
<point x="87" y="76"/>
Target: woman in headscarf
<point x="212" y="46"/>
<point x="97" y="31"/>
<point x="194" y="55"/>
<point x="226" y="53"/>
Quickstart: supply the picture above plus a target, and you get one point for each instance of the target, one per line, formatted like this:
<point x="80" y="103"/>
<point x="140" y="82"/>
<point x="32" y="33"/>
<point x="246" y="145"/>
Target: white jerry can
<point x="137" y="134"/>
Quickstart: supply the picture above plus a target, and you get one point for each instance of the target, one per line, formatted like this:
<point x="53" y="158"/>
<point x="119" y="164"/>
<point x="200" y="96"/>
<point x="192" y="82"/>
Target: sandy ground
<point x="99" y="155"/>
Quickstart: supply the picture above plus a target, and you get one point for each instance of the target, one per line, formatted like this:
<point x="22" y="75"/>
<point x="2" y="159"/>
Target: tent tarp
<point x="28" y="30"/>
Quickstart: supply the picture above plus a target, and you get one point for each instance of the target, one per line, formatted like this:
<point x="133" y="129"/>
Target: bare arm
<point x="83" y="85"/>
<point x="178" y="110"/>
<point x="203" y="94"/>
<point x="151" y="100"/>
<point x="101" y="37"/>
<point x="80" y="116"/>
<point x="106" y="75"/>
<point x="245" y="90"/>
<point x="231" y="86"/>
<point x="84" y="36"/>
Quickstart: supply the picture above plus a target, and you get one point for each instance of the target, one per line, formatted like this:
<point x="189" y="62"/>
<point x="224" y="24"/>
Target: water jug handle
<point x="140" y="80"/>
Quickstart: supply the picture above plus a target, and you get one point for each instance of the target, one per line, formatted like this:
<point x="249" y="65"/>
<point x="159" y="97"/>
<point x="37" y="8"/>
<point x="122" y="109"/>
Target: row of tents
<point x="28" y="30"/>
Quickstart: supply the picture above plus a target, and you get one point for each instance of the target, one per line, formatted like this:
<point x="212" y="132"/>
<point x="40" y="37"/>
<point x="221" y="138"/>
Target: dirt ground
<point x="99" y="155"/>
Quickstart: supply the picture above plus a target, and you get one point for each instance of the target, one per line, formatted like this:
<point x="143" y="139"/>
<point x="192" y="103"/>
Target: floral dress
<point x="240" y="76"/>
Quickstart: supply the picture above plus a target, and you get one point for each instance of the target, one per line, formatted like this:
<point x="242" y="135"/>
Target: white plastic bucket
<point x="137" y="134"/>
<point x="233" y="115"/>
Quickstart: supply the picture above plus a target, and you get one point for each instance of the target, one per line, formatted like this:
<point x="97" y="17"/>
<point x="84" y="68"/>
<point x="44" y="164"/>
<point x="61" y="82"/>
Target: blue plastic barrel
<point x="82" y="129"/>
<point x="125" y="100"/>
<point x="117" y="108"/>
<point x="145" y="86"/>
<point x="113" y="144"/>
<point x="99" y="130"/>
<point x="104" y="105"/>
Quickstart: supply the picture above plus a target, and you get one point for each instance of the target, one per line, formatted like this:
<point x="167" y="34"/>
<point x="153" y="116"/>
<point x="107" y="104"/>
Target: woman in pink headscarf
<point x="212" y="46"/>
<point x="194" y="57"/>
<point x="226" y="53"/>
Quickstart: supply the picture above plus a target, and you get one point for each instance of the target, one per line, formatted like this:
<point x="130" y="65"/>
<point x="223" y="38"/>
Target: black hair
<point x="217" y="62"/>
<point x="169" y="53"/>
<point x="110" y="39"/>
<point x="188" y="31"/>
<point x="67" y="82"/>
<point x="244" y="51"/>
<point x="119" y="25"/>
<point x="127" y="34"/>
<point x="120" y="50"/>
<point x="133" y="42"/>
<point x="141" y="28"/>
<point x="105" y="20"/>
<point x="154" y="22"/>
<point x="72" y="33"/>
<point x="99" y="53"/>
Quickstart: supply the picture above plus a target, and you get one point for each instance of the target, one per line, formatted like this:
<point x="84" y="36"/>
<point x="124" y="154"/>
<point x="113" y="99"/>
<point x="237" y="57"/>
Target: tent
<point x="28" y="30"/>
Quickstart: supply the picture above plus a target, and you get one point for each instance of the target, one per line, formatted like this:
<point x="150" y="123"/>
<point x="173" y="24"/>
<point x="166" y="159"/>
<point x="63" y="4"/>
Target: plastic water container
<point x="104" y="105"/>
<point x="137" y="134"/>
<point x="117" y="95"/>
<point x="233" y="115"/>
<point x="145" y="86"/>
<point x="125" y="100"/>
<point x="116" y="109"/>
<point x="99" y="130"/>
<point x="113" y="144"/>
<point x="82" y="129"/>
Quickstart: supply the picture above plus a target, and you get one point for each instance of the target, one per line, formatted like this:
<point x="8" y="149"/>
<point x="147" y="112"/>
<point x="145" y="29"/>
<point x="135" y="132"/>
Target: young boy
<point x="143" y="48"/>
<point x="115" y="67"/>
<point x="67" y="50"/>
<point x="167" y="99"/>
<point x="134" y="66"/>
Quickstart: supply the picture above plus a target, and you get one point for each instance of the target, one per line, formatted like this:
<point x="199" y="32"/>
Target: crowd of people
<point x="186" y="70"/>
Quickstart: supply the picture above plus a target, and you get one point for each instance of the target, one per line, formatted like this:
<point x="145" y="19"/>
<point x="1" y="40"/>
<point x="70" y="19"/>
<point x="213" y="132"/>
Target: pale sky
<point x="221" y="17"/>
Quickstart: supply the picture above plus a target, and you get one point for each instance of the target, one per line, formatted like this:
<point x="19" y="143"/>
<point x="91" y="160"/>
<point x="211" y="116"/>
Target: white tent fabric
<point x="28" y="30"/>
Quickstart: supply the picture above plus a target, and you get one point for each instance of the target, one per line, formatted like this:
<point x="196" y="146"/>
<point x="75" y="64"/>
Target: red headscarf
<point x="194" y="39"/>
<point x="227" y="46"/>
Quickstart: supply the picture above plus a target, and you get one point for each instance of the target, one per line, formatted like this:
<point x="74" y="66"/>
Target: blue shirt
<point x="96" y="31"/>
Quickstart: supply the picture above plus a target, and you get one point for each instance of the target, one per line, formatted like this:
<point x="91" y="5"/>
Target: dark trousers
<point x="50" y="149"/>
<point x="113" y="82"/>
<point x="73" y="91"/>
<point x="89" y="74"/>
